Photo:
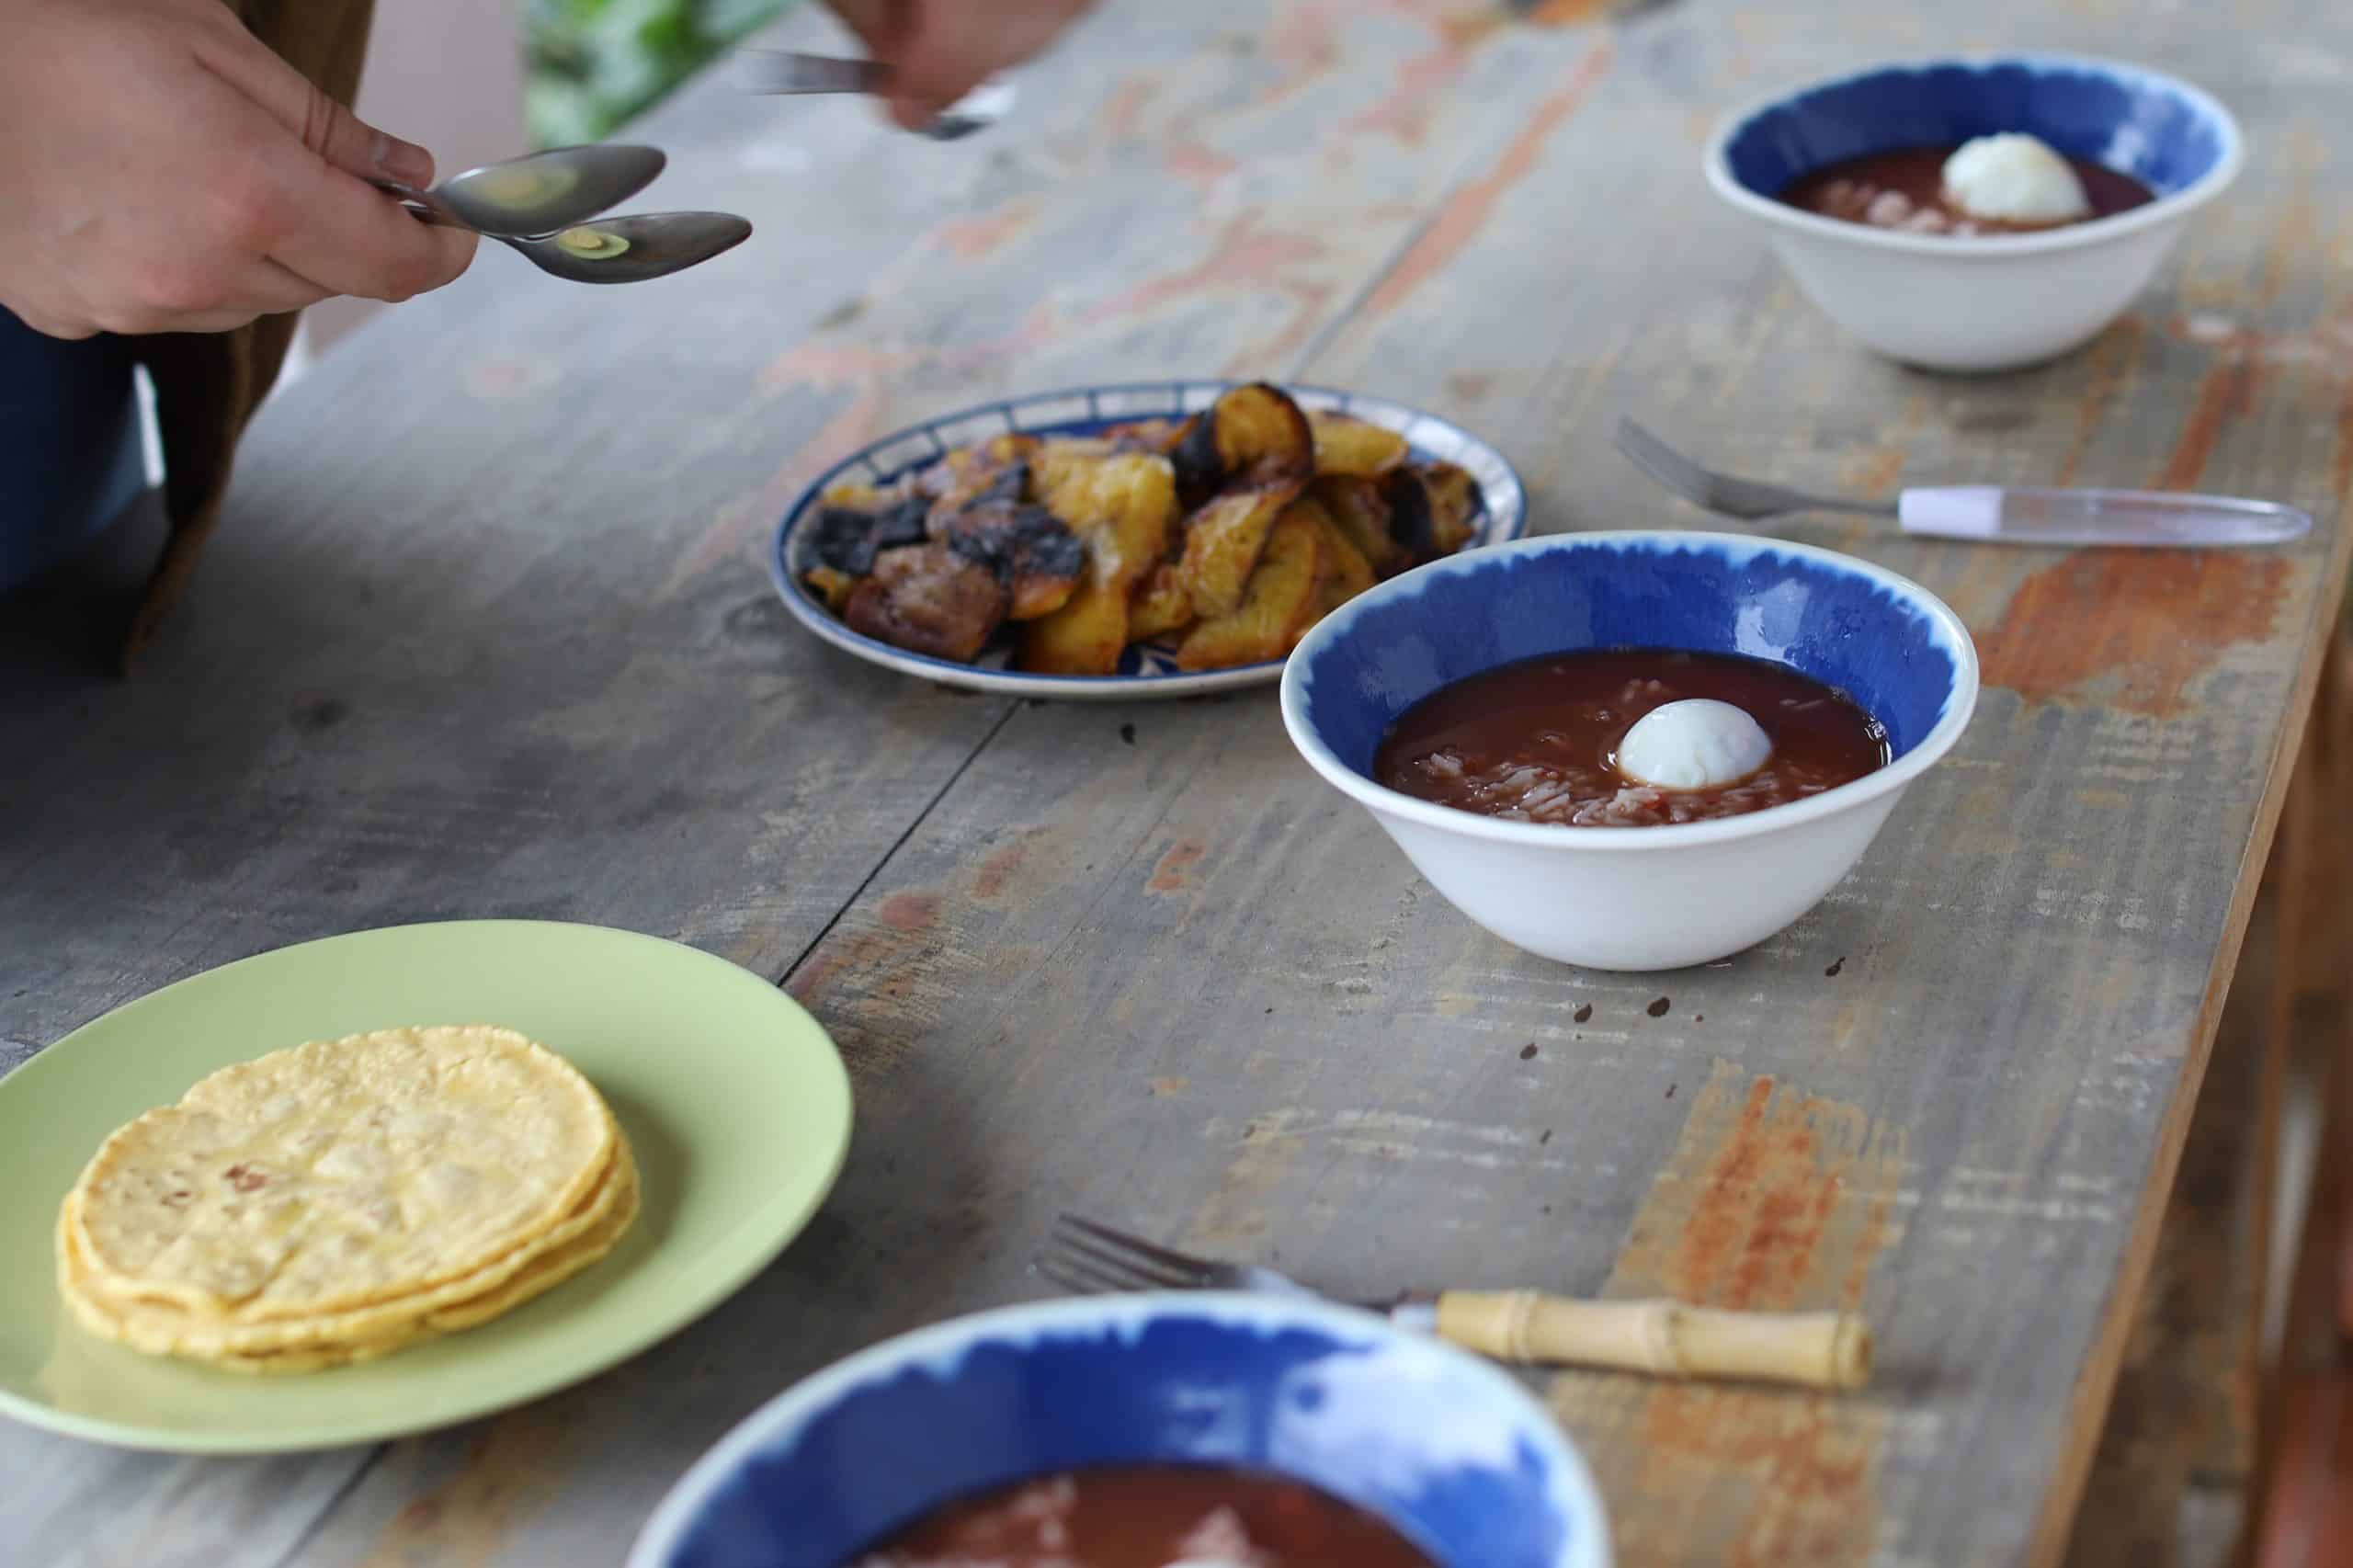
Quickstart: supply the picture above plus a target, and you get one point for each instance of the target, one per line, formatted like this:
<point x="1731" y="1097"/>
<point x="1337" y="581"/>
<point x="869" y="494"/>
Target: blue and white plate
<point x="1148" y="671"/>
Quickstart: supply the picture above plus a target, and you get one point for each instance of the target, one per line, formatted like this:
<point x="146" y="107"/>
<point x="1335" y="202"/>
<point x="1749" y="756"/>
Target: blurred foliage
<point x="596" y="63"/>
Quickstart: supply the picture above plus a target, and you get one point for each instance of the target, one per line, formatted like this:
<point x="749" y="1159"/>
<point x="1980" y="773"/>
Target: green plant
<point x="596" y="63"/>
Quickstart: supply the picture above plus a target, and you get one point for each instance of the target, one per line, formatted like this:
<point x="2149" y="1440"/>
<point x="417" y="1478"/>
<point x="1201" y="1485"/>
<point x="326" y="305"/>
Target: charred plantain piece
<point x="1430" y="511"/>
<point x="979" y="486"/>
<point x="848" y="539"/>
<point x="1412" y="523"/>
<point x="1263" y="454"/>
<point x="1198" y="470"/>
<point x="1123" y="508"/>
<point x="1032" y="552"/>
<point x="1358" y="509"/>
<point x="1454" y="502"/>
<point x="1344" y="445"/>
<point x="834" y="588"/>
<point x="1254" y="438"/>
<point x="928" y="599"/>
<point x="1277" y="605"/>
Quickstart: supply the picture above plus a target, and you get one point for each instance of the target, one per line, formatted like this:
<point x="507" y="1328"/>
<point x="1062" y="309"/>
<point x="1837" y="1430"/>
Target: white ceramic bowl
<point x="1989" y="303"/>
<point x="1647" y="898"/>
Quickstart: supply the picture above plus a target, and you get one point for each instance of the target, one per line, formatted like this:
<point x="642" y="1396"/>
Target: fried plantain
<point x="928" y="599"/>
<point x="1123" y="507"/>
<point x="1354" y="447"/>
<point x="1277" y="603"/>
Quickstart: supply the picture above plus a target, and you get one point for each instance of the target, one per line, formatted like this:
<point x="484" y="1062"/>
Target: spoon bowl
<point x="543" y="192"/>
<point x="631" y="249"/>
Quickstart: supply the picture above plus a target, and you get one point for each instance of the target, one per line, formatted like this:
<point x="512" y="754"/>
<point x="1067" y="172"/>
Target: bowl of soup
<point x="1151" y="1431"/>
<point x="1633" y="750"/>
<point x="1977" y="214"/>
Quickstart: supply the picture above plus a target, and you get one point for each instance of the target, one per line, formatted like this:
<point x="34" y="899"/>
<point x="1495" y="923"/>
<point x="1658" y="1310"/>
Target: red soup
<point x="1905" y="190"/>
<point x="1537" y="741"/>
<point x="1153" y="1516"/>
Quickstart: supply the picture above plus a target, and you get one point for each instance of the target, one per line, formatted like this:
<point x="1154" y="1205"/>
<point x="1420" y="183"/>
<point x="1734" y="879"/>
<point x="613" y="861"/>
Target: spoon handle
<point x="426" y="206"/>
<point x="780" y="71"/>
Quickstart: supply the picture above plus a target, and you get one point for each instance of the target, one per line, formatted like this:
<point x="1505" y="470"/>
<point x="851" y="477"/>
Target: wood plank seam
<point x="882" y="863"/>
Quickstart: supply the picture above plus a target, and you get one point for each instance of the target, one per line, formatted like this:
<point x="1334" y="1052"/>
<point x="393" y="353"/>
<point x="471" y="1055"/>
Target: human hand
<point x="940" y="50"/>
<point x="168" y="173"/>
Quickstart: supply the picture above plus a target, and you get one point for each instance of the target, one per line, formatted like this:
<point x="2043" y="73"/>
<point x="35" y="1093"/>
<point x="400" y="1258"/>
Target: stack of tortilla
<point x="346" y="1199"/>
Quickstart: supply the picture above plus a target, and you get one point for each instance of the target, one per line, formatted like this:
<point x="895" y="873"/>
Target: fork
<point x="1721" y="492"/>
<point x="1987" y="512"/>
<point x="1816" y="1349"/>
<point x="790" y="73"/>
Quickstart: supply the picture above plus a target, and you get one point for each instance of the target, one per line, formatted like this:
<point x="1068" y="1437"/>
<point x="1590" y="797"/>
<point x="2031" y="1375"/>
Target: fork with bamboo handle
<point x="1827" y="1350"/>
<point x="1830" y="1350"/>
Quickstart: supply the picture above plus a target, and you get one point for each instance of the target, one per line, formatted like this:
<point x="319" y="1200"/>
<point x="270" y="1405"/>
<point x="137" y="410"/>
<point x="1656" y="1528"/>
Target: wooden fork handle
<point x="1830" y="1350"/>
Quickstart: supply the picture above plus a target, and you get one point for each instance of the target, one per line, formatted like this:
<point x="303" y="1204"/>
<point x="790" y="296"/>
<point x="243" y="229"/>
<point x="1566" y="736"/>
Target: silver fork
<point x="1816" y="1349"/>
<point x="1989" y="513"/>
<point x="1722" y="492"/>
<point x="775" y="71"/>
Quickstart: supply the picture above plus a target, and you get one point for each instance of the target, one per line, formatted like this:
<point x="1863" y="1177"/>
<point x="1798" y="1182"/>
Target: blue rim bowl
<point x="1648" y="898"/>
<point x="2175" y="138"/>
<point x="1989" y="301"/>
<point x="1448" y="1450"/>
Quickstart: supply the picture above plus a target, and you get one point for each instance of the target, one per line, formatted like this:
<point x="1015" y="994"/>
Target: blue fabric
<point x="2138" y="124"/>
<point x="1405" y="641"/>
<point x="70" y="456"/>
<point x="1184" y="1389"/>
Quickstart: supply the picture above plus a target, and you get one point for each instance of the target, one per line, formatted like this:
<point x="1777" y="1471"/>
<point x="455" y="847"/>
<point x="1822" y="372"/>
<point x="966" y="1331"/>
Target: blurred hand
<point x="165" y="173"/>
<point x="940" y="50"/>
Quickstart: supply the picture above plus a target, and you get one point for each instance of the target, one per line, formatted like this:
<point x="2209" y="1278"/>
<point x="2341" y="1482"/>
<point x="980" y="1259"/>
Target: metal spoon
<point x="650" y="245"/>
<point x="631" y="249"/>
<point x="780" y="71"/>
<point x="543" y="192"/>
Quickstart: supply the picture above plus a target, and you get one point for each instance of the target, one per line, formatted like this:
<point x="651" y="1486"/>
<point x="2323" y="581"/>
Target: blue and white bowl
<point x="1991" y="301"/>
<point x="1635" y="898"/>
<point x="1449" y="1450"/>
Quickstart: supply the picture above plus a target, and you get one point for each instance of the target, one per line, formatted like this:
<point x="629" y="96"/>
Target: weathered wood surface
<point x="2172" y="1485"/>
<point x="487" y="635"/>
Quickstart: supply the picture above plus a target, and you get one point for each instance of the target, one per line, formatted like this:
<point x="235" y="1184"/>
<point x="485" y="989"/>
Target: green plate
<point x="736" y="1102"/>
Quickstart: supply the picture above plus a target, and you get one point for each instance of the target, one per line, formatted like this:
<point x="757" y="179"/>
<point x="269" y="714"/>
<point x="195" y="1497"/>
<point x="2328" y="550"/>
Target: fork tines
<point x="1090" y="1258"/>
<point x="1665" y="464"/>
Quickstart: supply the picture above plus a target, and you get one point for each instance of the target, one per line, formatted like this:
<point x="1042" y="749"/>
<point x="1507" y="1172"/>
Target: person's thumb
<point x="326" y="128"/>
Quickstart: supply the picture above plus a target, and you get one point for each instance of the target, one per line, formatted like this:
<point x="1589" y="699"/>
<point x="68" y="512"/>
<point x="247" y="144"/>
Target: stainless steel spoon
<point x="634" y="248"/>
<point x="543" y="192"/>
<point x="780" y="71"/>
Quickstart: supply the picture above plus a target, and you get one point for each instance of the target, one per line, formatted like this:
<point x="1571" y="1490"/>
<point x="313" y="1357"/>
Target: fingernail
<point x="404" y="160"/>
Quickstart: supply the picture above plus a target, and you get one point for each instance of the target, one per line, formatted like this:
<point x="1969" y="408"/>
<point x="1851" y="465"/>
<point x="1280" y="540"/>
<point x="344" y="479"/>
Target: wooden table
<point x="487" y="635"/>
